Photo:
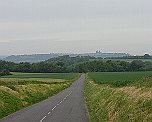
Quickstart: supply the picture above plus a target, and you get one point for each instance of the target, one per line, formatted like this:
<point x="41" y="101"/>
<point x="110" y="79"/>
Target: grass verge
<point x="119" y="103"/>
<point x="17" y="93"/>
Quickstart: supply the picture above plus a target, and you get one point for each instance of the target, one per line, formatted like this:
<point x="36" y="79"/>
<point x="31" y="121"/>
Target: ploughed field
<point x="23" y="89"/>
<point x="119" y="96"/>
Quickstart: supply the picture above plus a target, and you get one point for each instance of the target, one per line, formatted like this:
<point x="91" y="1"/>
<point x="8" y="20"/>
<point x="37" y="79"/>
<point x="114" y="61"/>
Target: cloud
<point x="35" y="26"/>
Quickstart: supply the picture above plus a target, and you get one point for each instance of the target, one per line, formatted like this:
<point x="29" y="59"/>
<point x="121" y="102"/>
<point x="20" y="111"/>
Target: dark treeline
<point x="146" y="56"/>
<point x="113" y="66"/>
<point x="67" y="60"/>
<point x="54" y="65"/>
<point x="74" y="64"/>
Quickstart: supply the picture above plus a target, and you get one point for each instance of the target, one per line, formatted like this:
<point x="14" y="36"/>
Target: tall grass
<point x="111" y="98"/>
<point x="24" y="89"/>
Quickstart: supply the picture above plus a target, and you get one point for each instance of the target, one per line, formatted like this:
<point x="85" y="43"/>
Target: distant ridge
<point x="2" y="56"/>
<point x="99" y="54"/>
<point x="42" y="57"/>
<point x="31" y="58"/>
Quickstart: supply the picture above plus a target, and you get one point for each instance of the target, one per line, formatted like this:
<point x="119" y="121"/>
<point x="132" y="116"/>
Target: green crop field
<point x="118" y="78"/>
<point x="119" y="96"/>
<point x="66" y="76"/>
<point x="23" y="89"/>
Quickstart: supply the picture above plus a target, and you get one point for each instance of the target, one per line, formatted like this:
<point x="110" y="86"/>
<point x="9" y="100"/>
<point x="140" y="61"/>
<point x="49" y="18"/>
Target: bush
<point x="4" y="72"/>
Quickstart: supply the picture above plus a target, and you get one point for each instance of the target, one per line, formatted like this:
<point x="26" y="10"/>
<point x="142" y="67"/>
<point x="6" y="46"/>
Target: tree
<point x="147" y="56"/>
<point x="136" y="65"/>
<point x="4" y="72"/>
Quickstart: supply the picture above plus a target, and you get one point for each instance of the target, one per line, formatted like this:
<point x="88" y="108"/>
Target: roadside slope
<point x="67" y="106"/>
<point x="119" y="101"/>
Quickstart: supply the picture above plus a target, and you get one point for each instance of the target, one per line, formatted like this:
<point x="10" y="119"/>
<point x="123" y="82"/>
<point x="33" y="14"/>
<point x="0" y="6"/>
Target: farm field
<point x="118" y="78"/>
<point x="119" y="96"/>
<point x="66" y="76"/>
<point x="24" y="89"/>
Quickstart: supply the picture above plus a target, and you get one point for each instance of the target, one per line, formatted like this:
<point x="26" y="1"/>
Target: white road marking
<point x="70" y="93"/>
<point x="67" y="96"/>
<point x="53" y="108"/>
<point x="43" y="119"/>
<point x="56" y="106"/>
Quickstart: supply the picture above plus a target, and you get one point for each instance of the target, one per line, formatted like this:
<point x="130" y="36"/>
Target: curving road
<point x="67" y="106"/>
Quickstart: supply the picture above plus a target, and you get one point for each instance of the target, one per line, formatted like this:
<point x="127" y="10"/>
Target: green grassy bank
<point x="24" y="89"/>
<point x="119" y="97"/>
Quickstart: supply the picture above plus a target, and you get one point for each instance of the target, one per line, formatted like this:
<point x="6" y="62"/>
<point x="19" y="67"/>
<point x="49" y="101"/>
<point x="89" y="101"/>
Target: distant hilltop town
<point x="100" y="54"/>
<point x="42" y="57"/>
<point x="98" y="51"/>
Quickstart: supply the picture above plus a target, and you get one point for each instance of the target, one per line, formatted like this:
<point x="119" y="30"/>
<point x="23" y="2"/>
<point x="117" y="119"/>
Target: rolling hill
<point x="42" y="57"/>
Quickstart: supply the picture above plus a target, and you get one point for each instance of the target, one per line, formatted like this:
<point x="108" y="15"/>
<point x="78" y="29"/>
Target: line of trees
<point x="146" y="56"/>
<point x="78" y="64"/>
<point x="113" y="66"/>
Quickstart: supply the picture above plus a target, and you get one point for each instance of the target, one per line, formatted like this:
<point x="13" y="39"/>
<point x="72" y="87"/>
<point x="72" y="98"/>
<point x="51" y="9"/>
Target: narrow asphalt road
<point x="67" y="106"/>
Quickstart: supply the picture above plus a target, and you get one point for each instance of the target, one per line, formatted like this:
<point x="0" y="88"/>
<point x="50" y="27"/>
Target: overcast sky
<point x="75" y="26"/>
